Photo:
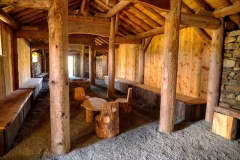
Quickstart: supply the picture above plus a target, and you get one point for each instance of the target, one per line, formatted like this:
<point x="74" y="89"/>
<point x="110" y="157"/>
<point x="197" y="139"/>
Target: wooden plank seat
<point x="187" y="107"/>
<point x="13" y="110"/>
<point x="33" y="83"/>
<point x="225" y="122"/>
<point x="42" y="75"/>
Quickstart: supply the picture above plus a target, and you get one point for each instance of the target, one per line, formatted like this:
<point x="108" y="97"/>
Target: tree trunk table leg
<point x="89" y="116"/>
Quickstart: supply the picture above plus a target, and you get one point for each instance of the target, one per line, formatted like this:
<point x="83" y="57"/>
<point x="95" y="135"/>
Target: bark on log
<point x="117" y="8"/>
<point x="92" y="65"/>
<point x="8" y="20"/>
<point x="59" y="83"/>
<point x="82" y="62"/>
<point x="111" y="60"/>
<point x="170" y="62"/>
<point x="215" y="71"/>
<point x="107" y="123"/>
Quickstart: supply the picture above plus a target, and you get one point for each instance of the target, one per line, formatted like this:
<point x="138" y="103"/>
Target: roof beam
<point x="156" y="4"/>
<point x="88" y="28"/>
<point x="8" y="20"/>
<point x="117" y="8"/>
<point x="87" y="19"/>
<point x="39" y="4"/>
<point x="128" y="40"/>
<point x="233" y="9"/>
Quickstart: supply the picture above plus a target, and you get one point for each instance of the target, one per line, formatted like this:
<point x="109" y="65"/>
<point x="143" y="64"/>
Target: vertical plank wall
<point x="193" y="63"/>
<point x="126" y="60"/>
<point x="24" y="65"/>
<point x="6" y="77"/>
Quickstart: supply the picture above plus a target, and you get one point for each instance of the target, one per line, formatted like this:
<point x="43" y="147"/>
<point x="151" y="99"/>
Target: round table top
<point x="94" y="103"/>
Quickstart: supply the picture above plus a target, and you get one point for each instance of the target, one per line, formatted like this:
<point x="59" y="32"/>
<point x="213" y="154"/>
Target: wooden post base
<point x="225" y="126"/>
<point x="124" y="105"/>
<point x="89" y="116"/>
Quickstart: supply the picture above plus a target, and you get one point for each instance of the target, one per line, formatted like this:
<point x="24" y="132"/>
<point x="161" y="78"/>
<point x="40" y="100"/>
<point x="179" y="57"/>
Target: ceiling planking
<point x="138" y="17"/>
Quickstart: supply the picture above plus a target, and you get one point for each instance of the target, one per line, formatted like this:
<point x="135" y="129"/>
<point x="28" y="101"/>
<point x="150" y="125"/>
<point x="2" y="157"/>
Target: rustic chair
<point x="107" y="122"/>
<point x="79" y="95"/>
<point x="125" y="104"/>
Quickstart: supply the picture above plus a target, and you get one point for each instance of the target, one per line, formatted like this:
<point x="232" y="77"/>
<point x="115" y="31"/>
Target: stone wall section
<point x="230" y="84"/>
<point x="99" y="70"/>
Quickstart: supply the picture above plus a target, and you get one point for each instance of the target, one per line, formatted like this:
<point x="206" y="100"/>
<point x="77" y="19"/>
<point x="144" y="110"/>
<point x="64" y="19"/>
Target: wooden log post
<point x="215" y="71"/>
<point x="111" y="60"/>
<point x="170" y="63"/>
<point x="44" y="62"/>
<point x="58" y="82"/>
<point x="141" y="63"/>
<point x="82" y="62"/>
<point x="92" y="65"/>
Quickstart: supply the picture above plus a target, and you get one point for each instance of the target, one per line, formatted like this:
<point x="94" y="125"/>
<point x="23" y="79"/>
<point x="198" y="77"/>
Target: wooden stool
<point x="107" y="123"/>
<point x="125" y="104"/>
<point x="79" y="95"/>
<point x="225" y="123"/>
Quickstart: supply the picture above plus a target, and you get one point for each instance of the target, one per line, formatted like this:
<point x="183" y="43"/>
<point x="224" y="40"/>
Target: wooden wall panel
<point x="193" y="63"/>
<point x="24" y="65"/>
<point x="6" y="61"/>
<point x="127" y="61"/>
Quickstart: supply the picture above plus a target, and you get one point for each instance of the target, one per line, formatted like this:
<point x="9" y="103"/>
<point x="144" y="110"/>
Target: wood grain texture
<point x="107" y="123"/>
<point x="7" y="60"/>
<point x="58" y="80"/>
<point x="228" y="111"/>
<point x="24" y="60"/>
<point x="215" y="71"/>
<point x="111" y="60"/>
<point x="169" y="73"/>
<point x="225" y="126"/>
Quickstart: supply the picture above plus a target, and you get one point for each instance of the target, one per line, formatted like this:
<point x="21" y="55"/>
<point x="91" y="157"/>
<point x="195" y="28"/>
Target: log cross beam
<point x="8" y="20"/>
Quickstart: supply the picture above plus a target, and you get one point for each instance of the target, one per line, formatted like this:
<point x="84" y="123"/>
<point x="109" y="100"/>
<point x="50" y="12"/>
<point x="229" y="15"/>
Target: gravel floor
<point x="139" y="137"/>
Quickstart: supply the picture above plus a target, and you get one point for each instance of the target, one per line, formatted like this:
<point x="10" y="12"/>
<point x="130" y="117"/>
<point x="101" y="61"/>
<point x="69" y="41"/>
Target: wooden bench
<point x="188" y="108"/>
<point x="13" y="110"/>
<point x="33" y="83"/>
<point x="42" y="75"/>
<point x="225" y="122"/>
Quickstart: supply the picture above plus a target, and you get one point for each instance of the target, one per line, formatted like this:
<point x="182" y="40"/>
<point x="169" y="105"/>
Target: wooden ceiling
<point x="134" y="19"/>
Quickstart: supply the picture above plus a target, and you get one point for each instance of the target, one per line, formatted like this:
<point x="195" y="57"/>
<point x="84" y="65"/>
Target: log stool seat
<point x="125" y="104"/>
<point x="107" y="122"/>
<point x="225" y="122"/>
<point x="79" y="95"/>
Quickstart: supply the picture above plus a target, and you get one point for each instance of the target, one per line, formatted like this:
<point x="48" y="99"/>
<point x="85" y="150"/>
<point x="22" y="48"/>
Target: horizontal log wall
<point x="24" y="61"/>
<point x="193" y="63"/>
<point x="126" y="59"/>
<point x="6" y="77"/>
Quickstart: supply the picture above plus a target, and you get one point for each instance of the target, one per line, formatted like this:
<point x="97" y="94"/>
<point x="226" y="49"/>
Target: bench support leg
<point x="225" y="126"/>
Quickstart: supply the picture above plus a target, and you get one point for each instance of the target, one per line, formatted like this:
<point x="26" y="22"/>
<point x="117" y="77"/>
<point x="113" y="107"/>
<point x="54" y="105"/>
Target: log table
<point x="92" y="104"/>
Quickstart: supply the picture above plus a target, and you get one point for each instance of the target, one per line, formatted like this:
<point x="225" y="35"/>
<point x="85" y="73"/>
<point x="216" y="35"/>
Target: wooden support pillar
<point x="92" y="65"/>
<point x="15" y="64"/>
<point x="58" y="82"/>
<point x="170" y="63"/>
<point x="82" y="62"/>
<point x="44" y="62"/>
<point x="215" y="71"/>
<point x="111" y="60"/>
<point x="105" y="65"/>
<point x="141" y="63"/>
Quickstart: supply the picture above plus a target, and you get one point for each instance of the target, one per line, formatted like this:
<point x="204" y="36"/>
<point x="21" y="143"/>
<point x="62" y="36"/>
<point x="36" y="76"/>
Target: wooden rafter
<point x="117" y="8"/>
